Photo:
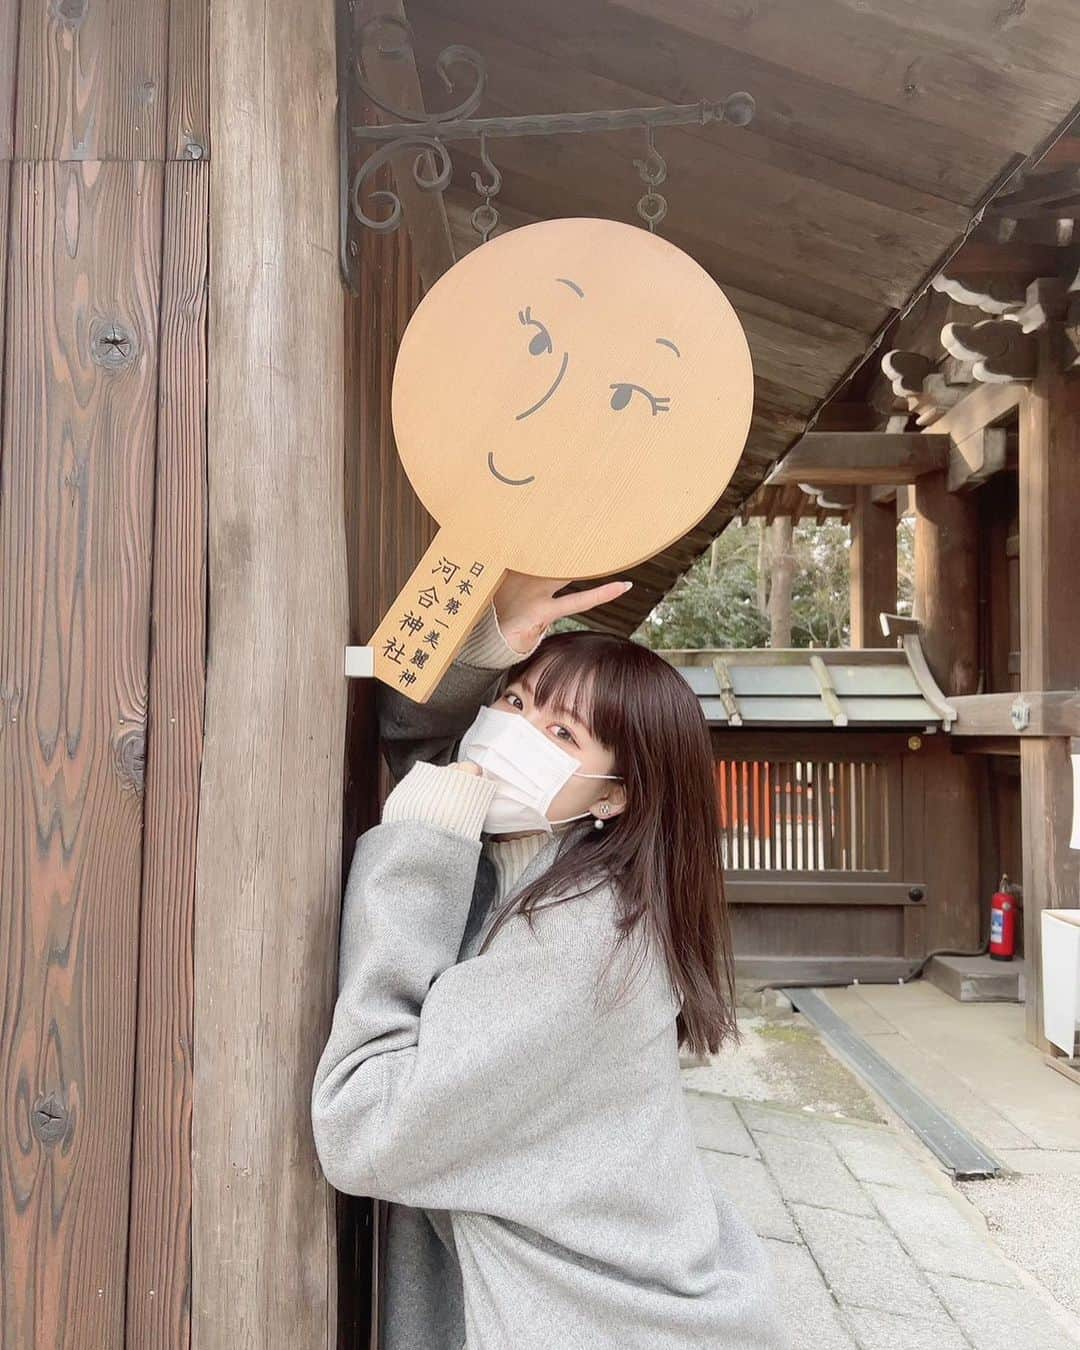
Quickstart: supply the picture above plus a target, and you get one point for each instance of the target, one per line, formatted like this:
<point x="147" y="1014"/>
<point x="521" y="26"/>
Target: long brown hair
<point x="662" y="854"/>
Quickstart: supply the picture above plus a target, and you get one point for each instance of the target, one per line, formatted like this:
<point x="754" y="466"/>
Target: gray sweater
<point x="528" y="1130"/>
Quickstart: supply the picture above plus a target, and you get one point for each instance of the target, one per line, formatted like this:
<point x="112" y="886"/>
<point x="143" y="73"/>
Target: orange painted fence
<point x="802" y="815"/>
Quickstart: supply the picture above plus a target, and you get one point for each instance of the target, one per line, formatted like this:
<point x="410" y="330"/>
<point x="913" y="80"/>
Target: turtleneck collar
<point x="510" y="857"/>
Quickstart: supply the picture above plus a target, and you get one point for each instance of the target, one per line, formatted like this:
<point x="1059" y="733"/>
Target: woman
<point x="503" y="1061"/>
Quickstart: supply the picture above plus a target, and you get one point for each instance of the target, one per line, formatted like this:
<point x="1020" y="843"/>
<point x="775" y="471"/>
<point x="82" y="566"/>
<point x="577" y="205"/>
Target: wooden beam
<point x="1027" y="261"/>
<point x="1056" y="193"/>
<point x="269" y="861"/>
<point x="722" y="671"/>
<point x="977" y="458"/>
<point x="396" y="80"/>
<point x="984" y="405"/>
<point x="1052" y="712"/>
<point x="988" y="745"/>
<point x="1049" y="481"/>
<point x="829" y="697"/>
<point x="855" y="458"/>
<point x="873" y="568"/>
<point x="820" y="888"/>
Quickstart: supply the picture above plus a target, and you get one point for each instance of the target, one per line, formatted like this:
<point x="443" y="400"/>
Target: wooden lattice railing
<point x="806" y="815"/>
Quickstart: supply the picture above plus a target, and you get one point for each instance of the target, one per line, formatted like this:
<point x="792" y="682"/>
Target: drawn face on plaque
<point x="572" y="396"/>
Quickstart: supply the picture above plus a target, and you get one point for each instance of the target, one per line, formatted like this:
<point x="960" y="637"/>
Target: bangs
<point x="581" y="674"/>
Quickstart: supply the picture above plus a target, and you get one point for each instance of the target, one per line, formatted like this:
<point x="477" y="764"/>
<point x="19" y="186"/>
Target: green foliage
<point x="719" y="602"/>
<point x="713" y="605"/>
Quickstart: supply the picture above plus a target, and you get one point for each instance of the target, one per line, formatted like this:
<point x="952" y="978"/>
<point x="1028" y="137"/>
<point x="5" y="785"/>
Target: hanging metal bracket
<point x="364" y="149"/>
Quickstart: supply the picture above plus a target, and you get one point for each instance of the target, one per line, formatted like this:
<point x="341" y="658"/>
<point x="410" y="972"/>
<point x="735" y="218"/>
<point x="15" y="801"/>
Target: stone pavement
<point x="874" y="1246"/>
<point x="975" y="1062"/>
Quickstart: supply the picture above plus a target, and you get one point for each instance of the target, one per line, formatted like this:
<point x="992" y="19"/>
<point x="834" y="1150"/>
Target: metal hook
<point x="495" y="186"/>
<point x="653" y="168"/>
<point x="652" y="206"/>
<point x="485" y="218"/>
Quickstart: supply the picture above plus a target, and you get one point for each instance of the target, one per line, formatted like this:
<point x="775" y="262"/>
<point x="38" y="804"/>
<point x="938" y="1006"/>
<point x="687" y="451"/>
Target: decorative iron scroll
<point x="364" y="149"/>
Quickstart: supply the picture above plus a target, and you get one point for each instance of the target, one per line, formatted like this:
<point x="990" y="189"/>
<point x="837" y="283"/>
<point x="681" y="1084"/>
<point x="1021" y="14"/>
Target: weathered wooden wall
<point x="103" y="150"/>
<point x="823" y="850"/>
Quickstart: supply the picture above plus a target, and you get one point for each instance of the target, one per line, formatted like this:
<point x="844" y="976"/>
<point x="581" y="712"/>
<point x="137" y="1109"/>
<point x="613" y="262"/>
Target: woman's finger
<point x="577" y="602"/>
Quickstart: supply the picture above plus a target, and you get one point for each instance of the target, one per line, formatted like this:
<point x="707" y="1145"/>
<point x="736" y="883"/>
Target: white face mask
<point x="528" y="766"/>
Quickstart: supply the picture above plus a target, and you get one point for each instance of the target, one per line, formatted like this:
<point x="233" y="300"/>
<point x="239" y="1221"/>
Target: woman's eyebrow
<point x="563" y="712"/>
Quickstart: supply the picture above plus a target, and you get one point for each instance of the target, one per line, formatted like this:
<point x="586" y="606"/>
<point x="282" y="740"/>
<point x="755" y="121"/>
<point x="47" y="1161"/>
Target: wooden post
<point x="268" y="875"/>
<point x="1049" y="642"/>
<point x="947" y="583"/>
<point x="873" y="568"/>
<point x="946" y="605"/>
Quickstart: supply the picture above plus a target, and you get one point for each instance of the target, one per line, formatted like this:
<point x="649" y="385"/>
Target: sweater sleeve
<point x="440" y="1078"/>
<point x="442" y="795"/>
<point x="429" y="731"/>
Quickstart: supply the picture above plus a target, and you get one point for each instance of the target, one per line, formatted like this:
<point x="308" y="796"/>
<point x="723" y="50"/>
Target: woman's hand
<point x="467" y="766"/>
<point x="526" y="606"/>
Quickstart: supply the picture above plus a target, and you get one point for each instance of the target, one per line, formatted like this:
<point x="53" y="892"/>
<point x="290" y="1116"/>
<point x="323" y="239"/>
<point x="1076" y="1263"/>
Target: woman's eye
<point x="623" y="393"/>
<point x="540" y="342"/>
<point x="513" y="700"/>
<point x="564" y="735"/>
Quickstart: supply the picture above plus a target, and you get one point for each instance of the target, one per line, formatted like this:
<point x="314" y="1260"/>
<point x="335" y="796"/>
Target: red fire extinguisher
<point x="1003" y="923"/>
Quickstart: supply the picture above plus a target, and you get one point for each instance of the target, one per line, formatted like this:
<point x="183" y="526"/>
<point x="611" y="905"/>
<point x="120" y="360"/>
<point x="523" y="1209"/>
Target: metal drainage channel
<point x="960" y="1153"/>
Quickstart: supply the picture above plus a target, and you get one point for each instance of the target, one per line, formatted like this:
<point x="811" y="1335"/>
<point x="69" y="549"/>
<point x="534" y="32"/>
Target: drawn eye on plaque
<point x="624" y="392"/>
<point x="540" y="343"/>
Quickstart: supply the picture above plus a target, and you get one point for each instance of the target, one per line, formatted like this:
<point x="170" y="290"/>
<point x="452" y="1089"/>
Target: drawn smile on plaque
<point x="540" y="344"/>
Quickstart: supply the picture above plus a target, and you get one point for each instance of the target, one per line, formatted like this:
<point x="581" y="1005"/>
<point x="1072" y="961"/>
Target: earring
<point x="605" y="807"/>
<point x="598" y="824"/>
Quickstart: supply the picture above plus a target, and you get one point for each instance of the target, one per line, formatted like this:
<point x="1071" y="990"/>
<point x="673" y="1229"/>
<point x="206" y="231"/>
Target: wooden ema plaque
<point x="568" y="400"/>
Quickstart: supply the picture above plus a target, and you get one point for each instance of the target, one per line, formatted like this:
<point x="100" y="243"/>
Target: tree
<point x="714" y="604"/>
<point x="736" y="594"/>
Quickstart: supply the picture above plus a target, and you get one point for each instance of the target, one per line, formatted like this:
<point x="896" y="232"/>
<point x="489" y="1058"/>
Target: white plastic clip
<point x="359" y="662"/>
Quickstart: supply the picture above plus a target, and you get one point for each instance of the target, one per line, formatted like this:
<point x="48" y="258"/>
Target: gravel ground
<point x="1034" y="1220"/>
<point x="782" y="1059"/>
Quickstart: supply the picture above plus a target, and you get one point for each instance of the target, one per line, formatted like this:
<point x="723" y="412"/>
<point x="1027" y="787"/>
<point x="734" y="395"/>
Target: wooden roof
<point x="880" y="130"/>
<point x="811" y="687"/>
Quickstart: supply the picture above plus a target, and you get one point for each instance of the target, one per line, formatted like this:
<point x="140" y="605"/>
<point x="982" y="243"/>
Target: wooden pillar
<point x="947" y="583"/>
<point x="873" y="568"/>
<point x="268" y="878"/>
<point x="1049" y="642"/>
<point x="946" y="605"/>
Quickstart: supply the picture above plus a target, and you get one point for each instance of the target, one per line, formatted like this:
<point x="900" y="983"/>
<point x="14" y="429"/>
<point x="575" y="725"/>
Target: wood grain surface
<point x="268" y="876"/>
<point x="76" y="525"/>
